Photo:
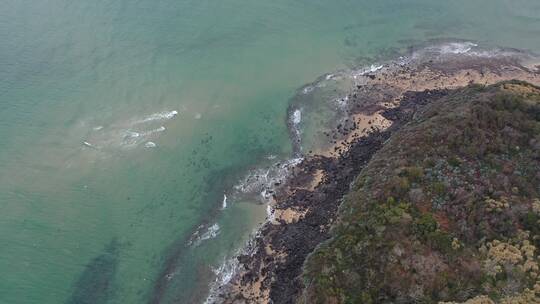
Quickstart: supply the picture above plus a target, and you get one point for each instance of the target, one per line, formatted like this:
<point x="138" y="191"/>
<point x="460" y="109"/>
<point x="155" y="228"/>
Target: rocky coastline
<point x="304" y="208"/>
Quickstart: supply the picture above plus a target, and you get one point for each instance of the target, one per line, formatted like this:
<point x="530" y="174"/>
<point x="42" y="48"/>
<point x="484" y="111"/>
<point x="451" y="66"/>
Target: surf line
<point x="224" y="202"/>
<point x="89" y="145"/>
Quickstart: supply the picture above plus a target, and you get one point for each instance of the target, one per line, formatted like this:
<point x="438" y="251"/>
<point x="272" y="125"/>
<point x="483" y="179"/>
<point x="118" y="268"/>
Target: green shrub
<point x="440" y="240"/>
<point x="425" y="225"/>
<point x="454" y="161"/>
<point x="399" y="186"/>
<point x="415" y="173"/>
<point x="438" y="188"/>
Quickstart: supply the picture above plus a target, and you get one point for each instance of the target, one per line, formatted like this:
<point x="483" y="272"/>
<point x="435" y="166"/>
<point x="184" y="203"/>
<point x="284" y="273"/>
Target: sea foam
<point x="150" y="132"/>
<point x="158" y="116"/>
<point x="150" y="144"/>
<point x="297" y="116"/>
<point x="224" y="202"/>
<point x="262" y="181"/>
<point x="198" y="237"/>
<point x="457" y="47"/>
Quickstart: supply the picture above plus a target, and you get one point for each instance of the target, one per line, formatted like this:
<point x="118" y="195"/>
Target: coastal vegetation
<point x="447" y="211"/>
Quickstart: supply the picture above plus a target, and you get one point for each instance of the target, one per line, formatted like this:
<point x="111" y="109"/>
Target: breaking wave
<point x="224" y="202"/>
<point x="262" y="182"/>
<point x="297" y="117"/>
<point x="150" y="144"/>
<point x="158" y="116"/>
<point x="456" y="47"/>
<point x="129" y="134"/>
<point x="204" y="233"/>
<point x="228" y="268"/>
<point x="223" y="275"/>
<point x="366" y="70"/>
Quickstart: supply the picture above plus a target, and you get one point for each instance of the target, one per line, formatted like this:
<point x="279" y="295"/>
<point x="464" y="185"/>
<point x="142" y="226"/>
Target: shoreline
<point x="304" y="206"/>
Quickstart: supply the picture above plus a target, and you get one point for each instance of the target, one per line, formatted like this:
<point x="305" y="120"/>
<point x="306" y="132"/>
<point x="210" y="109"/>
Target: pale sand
<point x="317" y="178"/>
<point x="288" y="215"/>
<point x="365" y="124"/>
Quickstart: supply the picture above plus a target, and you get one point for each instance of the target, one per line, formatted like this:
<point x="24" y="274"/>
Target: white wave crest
<point x="457" y="47"/>
<point x="212" y="232"/>
<point x="444" y="49"/>
<point x="150" y="144"/>
<point x="197" y="238"/>
<point x="224" y="274"/>
<point x="132" y="134"/>
<point x="263" y="181"/>
<point x="270" y="215"/>
<point x="297" y="116"/>
<point x="343" y="101"/>
<point x="229" y="267"/>
<point x="366" y="70"/>
<point x="307" y="89"/>
<point x="150" y="132"/>
<point x="89" y="145"/>
<point x="224" y="202"/>
<point x="374" y="68"/>
<point x="158" y="116"/>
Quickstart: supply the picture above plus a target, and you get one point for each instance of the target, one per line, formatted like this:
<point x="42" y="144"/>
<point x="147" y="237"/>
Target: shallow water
<point x="123" y="123"/>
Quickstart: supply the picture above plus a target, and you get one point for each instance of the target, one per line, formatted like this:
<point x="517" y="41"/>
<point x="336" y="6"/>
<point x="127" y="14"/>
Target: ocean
<point x="139" y="138"/>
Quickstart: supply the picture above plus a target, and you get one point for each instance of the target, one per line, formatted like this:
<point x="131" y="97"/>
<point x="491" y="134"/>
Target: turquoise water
<point x="123" y="123"/>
